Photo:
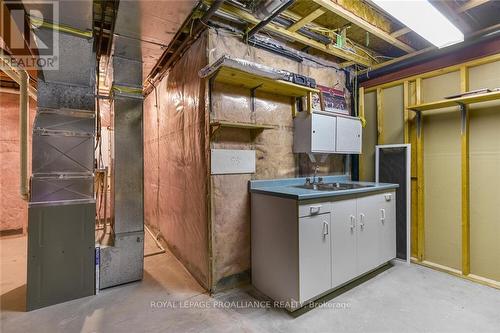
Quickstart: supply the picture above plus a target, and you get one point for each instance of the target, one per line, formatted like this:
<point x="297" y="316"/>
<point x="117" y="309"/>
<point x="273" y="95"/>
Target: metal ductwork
<point x="61" y="211"/>
<point x="123" y="260"/>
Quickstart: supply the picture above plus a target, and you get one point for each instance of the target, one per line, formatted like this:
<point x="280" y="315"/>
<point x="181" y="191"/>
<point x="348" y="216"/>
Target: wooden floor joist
<point x="360" y="22"/>
<point x="271" y="27"/>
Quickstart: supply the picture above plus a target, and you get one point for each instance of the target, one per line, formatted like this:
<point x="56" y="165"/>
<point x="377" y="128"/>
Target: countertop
<point x="286" y="188"/>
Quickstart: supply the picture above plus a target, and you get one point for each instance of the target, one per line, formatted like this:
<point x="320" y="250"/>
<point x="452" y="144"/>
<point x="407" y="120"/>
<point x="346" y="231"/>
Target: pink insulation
<point x="13" y="209"/>
<point x="175" y="161"/>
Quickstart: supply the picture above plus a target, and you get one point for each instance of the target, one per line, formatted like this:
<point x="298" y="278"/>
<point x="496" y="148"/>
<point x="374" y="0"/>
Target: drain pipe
<point x="23" y="134"/>
<point x="22" y="78"/>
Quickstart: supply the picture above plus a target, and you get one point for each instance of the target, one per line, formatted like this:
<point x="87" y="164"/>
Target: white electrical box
<point x="232" y="161"/>
<point x="326" y="134"/>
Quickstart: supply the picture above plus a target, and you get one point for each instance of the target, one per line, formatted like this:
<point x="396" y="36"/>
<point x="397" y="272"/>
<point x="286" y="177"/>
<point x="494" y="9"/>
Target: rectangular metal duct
<point x="61" y="212"/>
<point x="123" y="261"/>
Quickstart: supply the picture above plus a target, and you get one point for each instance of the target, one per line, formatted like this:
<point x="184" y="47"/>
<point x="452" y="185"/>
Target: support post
<point x="380" y="118"/>
<point x="420" y="175"/>
<point x="464" y="116"/>
<point x="406" y="119"/>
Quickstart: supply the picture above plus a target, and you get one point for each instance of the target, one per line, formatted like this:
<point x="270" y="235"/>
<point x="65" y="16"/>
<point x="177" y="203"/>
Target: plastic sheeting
<point x="13" y="210"/>
<point x="178" y="201"/>
<point x="176" y="161"/>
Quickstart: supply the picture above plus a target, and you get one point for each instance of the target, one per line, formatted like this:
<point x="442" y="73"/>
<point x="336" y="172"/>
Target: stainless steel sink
<point x="332" y="186"/>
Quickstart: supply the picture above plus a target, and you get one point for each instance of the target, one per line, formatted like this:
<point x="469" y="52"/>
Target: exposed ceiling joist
<point x="306" y="19"/>
<point x="330" y="49"/>
<point x="357" y="20"/>
<point x="400" y="32"/>
<point x="315" y="26"/>
<point x="471" y="4"/>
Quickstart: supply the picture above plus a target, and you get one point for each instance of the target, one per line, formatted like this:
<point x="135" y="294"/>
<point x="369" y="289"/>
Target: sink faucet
<point x="320" y="179"/>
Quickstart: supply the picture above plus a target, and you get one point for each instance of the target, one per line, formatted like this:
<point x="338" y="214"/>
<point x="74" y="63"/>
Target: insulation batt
<point x="182" y="200"/>
<point x="13" y="210"/>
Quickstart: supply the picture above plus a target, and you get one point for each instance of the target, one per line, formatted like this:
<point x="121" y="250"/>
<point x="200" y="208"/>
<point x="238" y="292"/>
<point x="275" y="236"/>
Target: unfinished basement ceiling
<point x="154" y="23"/>
<point x="373" y="36"/>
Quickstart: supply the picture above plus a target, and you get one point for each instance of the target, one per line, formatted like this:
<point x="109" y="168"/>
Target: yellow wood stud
<point x="465" y="119"/>
<point x="420" y="176"/>
<point x="380" y="118"/>
<point x="361" y="106"/>
<point x="406" y="125"/>
<point x="310" y="102"/>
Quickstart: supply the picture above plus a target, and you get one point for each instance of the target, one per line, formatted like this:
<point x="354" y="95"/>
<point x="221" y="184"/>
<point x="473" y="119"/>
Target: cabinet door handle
<point x="362" y="220"/>
<point x="353" y="221"/>
<point x="382" y="213"/>
<point x="326" y="227"/>
<point x="314" y="209"/>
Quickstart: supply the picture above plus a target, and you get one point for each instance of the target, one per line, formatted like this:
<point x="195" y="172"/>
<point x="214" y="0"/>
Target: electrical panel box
<point x="326" y="134"/>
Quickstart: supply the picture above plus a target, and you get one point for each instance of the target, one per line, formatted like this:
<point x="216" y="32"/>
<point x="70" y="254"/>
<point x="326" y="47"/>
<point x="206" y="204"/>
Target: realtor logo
<point x="29" y="33"/>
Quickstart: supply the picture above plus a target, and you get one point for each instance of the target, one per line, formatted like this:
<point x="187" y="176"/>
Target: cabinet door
<point x="368" y="233"/>
<point x="314" y="255"/>
<point x="387" y="226"/>
<point x="323" y="133"/>
<point x="348" y="135"/>
<point x="343" y="237"/>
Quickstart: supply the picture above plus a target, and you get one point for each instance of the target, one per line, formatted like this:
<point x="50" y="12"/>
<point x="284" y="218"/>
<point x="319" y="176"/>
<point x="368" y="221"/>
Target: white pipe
<point x="22" y="78"/>
<point x="13" y="71"/>
<point x="23" y="134"/>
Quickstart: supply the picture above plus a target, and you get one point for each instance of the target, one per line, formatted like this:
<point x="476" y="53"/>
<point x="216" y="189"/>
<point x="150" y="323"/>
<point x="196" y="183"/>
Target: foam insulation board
<point x="484" y="147"/>
<point x="393" y="115"/>
<point x="442" y="175"/>
<point x="367" y="158"/>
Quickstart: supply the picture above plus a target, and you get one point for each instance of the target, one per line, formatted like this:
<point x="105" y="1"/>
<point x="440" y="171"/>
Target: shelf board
<point x="456" y="101"/>
<point x="249" y="80"/>
<point x="249" y="126"/>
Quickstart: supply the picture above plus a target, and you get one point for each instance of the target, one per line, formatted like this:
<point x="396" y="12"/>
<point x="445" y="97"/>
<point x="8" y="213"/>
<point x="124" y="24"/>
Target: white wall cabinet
<point x="320" y="133"/>
<point x="348" y="134"/>
<point x="301" y="252"/>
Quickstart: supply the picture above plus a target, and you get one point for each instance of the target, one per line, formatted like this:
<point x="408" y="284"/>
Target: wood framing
<point x="406" y="125"/>
<point x="380" y="118"/>
<point x="472" y="56"/>
<point x="330" y="49"/>
<point x="437" y="72"/>
<point x="449" y="270"/>
<point x="400" y="32"/>
<point x="420" y="176"/>
<point x="361" y="105"/>
<point x="465" y="121"/>
<point x="359" y="21"/>
<point x="306" y="19"/>
<point x="471" y="4"/>
<point x="415" y="101"/>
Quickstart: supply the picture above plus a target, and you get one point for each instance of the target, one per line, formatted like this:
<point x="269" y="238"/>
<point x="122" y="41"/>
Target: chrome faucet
<point x="316" y="168"/>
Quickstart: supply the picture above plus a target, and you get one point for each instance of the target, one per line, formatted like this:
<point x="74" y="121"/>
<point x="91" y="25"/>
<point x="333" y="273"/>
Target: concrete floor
<point x="400" y="299"/>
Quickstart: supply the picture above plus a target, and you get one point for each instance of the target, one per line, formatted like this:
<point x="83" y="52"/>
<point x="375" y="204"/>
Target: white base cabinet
<point x="303" y="251"/>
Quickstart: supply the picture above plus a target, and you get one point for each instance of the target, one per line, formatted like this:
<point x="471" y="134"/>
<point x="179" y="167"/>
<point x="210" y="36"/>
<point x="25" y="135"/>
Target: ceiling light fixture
<point x="423" y="18"/>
